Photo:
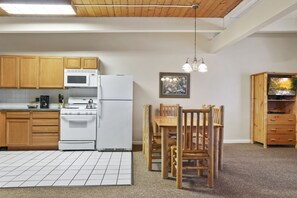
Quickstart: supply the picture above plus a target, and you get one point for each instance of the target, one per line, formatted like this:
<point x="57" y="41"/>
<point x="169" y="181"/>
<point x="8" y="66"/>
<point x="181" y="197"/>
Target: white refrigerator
<point x="114" y="116"/>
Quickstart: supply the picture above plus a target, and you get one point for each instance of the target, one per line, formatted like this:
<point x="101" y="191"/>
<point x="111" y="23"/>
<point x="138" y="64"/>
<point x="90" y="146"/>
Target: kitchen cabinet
<point x="18" y="128"/>
<point x="51" y="72"/>
<point x="81" y="62"/>
<point x="9" y="71"/>
<point x="29" y="71"/>
<point x="89" y="63"/>
<point x="72" y="62"/>
<point x="45" y="129"/>
<point x="2" y="130"/>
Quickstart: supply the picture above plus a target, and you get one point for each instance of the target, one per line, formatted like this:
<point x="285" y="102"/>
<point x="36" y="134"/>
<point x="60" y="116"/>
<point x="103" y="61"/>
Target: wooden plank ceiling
<point x="105" y="8"/>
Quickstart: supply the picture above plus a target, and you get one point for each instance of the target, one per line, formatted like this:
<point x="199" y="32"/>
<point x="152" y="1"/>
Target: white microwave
<point x="80" y="78"/>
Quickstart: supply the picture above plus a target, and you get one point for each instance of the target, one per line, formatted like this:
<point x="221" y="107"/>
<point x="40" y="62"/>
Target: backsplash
<point x="28" y="95"/>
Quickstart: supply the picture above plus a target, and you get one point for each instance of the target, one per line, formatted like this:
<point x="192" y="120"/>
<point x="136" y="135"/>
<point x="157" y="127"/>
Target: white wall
<point x="144" y="55"/>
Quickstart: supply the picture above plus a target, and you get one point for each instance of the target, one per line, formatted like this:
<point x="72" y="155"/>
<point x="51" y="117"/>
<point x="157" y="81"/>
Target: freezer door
<point x="112" y="87"/>
<point x="114" y="130"/>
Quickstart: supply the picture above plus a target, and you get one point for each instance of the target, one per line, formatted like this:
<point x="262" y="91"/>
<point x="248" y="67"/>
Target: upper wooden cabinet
<point x="29" y="71"/>
<point x="81" y="63"/>
<point x="89" y="63"/>
<point x="51" y="72"/>
<point x="72" y="63"/>
<point x="9" y="71"/>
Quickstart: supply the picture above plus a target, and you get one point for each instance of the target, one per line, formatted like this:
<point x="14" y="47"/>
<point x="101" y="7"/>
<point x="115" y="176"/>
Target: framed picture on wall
<point x="174" y="85"/>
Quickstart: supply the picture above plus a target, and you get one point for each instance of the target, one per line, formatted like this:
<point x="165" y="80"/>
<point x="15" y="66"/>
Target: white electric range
<point x="78" y="124"/>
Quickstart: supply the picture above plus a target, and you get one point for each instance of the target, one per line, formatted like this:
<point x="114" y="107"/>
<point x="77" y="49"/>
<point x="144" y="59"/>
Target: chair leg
<point x="149" y="160"/>
<point x="200" y="171"/>
<point x="173" y="170"/>
<point x="210" y="176"/>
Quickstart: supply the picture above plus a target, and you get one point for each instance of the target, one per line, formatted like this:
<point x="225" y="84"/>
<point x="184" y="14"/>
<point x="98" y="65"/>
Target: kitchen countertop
<point x="24" y="107"/>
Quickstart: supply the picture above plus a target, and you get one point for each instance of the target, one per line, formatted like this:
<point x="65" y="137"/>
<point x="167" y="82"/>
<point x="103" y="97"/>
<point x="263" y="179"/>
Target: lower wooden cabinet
<point x="32" y="130"/>
<point x="45" y="128"/>
<point x="2" y="129"/>
<point x="18" y="132"/>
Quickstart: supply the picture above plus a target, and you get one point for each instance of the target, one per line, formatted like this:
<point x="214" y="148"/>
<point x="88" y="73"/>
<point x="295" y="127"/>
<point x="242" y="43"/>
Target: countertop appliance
<point x="44" y="102"/>
<point x="78" y="124"/>
<point x="80" y="78"/>
<point x="114" y="120"/>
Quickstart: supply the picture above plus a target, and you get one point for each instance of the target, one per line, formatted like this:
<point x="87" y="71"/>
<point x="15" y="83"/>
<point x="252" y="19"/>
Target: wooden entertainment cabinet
<point x="273" y="118"/>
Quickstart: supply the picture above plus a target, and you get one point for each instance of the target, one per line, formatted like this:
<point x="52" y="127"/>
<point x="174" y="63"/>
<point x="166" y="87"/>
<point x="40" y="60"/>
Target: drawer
<point x="21" y="115"/>
<point x="281" y="119"/>
<point x="281" y="139"/>
<point x="45" y="129"/>
<point x="45" y="114"/>
<point x="281" y="129"/>
<point x="45" y="139"/>
<point x="45" y="122"/>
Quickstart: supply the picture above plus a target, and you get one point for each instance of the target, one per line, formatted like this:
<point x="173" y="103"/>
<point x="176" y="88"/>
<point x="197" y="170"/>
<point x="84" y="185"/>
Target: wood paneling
<point x="207" y="8"/>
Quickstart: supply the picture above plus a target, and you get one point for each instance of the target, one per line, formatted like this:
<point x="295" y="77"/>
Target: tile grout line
<point x="94" y="168"/>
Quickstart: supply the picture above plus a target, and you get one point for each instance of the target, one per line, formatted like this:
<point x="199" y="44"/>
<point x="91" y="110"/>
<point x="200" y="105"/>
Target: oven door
<point x="76" y="80"/>
<point x="78" y="127"/>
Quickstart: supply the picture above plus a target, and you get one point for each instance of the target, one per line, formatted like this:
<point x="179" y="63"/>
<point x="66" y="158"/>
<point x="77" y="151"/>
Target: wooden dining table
<point x="167" y="122"/>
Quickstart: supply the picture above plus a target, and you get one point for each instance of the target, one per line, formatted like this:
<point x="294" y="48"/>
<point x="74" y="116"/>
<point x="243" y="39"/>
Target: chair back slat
<point x="168" y="110"/>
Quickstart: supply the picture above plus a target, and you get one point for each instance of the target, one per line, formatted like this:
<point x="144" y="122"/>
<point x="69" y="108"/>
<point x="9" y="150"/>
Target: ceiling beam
<point x="262" y="14"/>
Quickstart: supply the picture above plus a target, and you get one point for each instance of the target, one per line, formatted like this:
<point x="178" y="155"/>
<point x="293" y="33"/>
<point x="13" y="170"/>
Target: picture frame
<point x="174" y="85"/>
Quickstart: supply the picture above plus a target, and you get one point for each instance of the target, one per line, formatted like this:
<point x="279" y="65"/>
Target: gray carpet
<point x="249" y="171"/>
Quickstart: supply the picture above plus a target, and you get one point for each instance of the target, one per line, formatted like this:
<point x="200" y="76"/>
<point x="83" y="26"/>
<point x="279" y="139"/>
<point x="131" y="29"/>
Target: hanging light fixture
<point x="187" y="67"/>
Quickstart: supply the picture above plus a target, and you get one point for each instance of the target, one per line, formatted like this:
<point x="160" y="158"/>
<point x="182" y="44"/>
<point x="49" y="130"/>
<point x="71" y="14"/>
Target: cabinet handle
<point x="290" y="130"/>
<point x="273" y="129"/>
<point x="290" y="119"/>
<point x="272" y="119"/>
<point x="272" y="140"/>
<point x="290" y="140"/>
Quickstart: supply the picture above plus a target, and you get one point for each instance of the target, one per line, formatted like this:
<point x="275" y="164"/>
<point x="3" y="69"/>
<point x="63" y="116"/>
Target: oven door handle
<point x="77" y="119"/>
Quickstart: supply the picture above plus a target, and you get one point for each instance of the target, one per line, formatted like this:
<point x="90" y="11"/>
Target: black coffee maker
<point x="44" y="102"/>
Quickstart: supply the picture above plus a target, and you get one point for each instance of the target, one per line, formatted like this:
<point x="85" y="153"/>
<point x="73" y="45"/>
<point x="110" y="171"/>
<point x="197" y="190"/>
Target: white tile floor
<point x="55" y="168"/>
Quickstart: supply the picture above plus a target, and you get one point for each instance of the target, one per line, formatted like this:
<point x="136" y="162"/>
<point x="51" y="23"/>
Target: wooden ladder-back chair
<point x="193" y="144"/>
<point x="168" y="110"/>
<point x="152" y="144"/>
<point x="219" y="119"/>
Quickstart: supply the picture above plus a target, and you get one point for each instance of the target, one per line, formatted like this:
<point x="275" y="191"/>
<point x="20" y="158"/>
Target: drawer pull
<point x="273" y="129"/>
<point x="272" y="139"/>
<point x="290" y="130"/>
<point x="272" y="119"/>
<point x="291" y="140"/>
<point x="291" y="120"/>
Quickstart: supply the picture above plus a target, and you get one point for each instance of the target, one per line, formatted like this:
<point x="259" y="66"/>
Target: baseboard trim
<point x="237" y="141"/>
<point x="137" y="142"/>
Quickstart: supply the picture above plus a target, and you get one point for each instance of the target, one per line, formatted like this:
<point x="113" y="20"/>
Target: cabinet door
<point x="51" y="72"/>
<point x="2" y="129"/>
<point x="71" y="62"/>
<point x="9" y="72"/>
<point x="29" y="71"/>
<point x="18" y="132"/>
<point x="89" y="63"/>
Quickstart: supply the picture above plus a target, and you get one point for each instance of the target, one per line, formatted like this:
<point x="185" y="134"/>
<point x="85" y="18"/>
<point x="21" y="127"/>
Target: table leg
<point x="164" y="153"/>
